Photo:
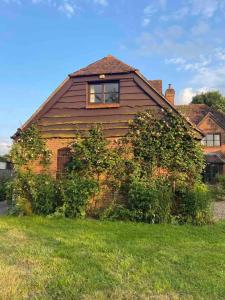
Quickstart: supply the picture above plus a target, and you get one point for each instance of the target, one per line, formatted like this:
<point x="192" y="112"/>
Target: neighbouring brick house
<point x="109" y="92"/>
<point x="212" y="123"/>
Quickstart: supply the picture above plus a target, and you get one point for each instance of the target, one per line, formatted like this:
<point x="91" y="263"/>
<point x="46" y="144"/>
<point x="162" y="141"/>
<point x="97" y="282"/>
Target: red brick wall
<point x="54" y="144"/>
<point x="210" y="126"/>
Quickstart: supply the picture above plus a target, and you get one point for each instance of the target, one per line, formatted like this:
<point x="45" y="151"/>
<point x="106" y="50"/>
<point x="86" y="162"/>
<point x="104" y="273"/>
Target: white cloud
<point x="145" y="22"/>
<point x="205" y="8"/>
<point x="101" y="2"/>
<point x="200" y="28"/>
<point x="4" y="146"/>
<point x="185" y="96"/>
<point x="67" y="8"/>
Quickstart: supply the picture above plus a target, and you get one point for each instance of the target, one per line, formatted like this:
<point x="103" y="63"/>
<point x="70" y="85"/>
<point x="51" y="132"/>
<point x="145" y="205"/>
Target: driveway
<point x="219" y="210"/>
<point x="3" y="207"/>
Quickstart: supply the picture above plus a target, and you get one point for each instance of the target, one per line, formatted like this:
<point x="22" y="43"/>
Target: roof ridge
<point x="106" y="65"/>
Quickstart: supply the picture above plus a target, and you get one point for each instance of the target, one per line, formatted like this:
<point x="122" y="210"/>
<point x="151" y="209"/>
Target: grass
<point x="43" y="258"/>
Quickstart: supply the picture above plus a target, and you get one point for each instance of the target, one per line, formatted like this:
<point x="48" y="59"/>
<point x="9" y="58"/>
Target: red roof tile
<point x="106" y="65"/>
<point x="196" y="112"/>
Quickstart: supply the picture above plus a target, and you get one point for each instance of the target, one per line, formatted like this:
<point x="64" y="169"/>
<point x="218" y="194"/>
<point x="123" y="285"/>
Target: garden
<point x="152" y="175"/>
<point x="130" y="219"/>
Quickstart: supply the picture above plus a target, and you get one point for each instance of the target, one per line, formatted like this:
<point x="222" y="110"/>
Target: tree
<point x="213" y="99"/>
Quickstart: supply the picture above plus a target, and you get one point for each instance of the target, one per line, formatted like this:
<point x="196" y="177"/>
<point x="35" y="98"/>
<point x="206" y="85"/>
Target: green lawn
<point x="44" y="258"/>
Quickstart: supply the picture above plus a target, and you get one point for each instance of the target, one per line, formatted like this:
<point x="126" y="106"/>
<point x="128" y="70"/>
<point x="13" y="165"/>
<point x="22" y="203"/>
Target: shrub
<point x="44" y="194"/>
<point x="219" y="188"/>
<point x="32" y="193"/>
<point x="195" y="204"/>
<point x="151" y="201"/>
<point x="3" y="188"/>
<point x="75" y="193"/>
<point x="117" y="212"/>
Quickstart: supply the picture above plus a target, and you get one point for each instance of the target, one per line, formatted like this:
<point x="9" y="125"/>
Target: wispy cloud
<point x="101" y="2"/>
<point x="67" y="7"/>
<point x="4" y="146"/>
<point x="206" y="73"/>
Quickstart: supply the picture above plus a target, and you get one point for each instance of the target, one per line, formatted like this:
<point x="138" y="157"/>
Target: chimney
<point x="170" y="94"/>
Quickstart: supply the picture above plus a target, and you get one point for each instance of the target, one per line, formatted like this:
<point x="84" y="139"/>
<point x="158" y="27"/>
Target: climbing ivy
<point x="166" y="143"/>
<point x="28" y="148"/>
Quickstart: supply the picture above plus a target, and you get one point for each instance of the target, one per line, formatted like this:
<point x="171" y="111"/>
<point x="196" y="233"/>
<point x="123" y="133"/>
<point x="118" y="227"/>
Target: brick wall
<point x="53" y="144"/>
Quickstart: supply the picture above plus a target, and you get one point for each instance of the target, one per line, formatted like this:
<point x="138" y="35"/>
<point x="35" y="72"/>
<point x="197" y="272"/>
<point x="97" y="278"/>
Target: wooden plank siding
<point x="69" y="113"/>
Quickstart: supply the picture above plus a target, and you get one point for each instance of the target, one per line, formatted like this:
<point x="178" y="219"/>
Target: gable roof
<point x="197" y="112"/>
<point x="106" y="65"/>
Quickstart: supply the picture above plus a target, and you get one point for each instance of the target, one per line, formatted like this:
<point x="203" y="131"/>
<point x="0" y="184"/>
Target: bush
<point x="151" y="201"/>
<point x="32" y="193"/>
<point x="195" y="205"/>
<point x="75" y="193"/>
<point x="117" y="212"/>
<point x="44" y="194"/>
<point x="3" y="189"/>
<point x="219" y="188"/>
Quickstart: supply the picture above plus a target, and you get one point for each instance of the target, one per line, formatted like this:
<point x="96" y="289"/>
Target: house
<point x="212" y="123"/>
<point x="109" y="92"/>
<point x="5" y="168"/>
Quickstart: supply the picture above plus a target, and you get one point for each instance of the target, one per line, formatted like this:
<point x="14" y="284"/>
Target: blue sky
<point x="42" y="41"/>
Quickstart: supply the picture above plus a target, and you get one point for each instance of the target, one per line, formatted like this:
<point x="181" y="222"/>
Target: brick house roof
<point x="106" y="65"/>
<point x="196" y="112"/>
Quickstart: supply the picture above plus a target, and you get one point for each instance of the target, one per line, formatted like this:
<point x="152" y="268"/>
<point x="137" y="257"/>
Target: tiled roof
<point x="214" y="158"/>
<point x="196" y="112"/>
<point x="106" y="65"/>
<point x="157" y="84"/>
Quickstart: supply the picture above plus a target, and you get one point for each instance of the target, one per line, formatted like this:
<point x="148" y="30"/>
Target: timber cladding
<point x="69" y="113"/>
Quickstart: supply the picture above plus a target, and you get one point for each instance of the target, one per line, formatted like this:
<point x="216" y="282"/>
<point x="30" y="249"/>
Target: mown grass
<point x="44" y="258"/>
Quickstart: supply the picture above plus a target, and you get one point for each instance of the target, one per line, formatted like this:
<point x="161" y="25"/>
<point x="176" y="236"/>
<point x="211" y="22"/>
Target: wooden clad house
<point x="109" y="92"/>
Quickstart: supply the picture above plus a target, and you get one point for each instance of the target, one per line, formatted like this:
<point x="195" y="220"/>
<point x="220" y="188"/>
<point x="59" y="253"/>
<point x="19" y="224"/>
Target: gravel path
<point x="3" y="207"/>
<point x="219" y="210"/>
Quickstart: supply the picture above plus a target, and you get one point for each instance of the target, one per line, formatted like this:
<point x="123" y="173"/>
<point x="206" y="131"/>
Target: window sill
<point x="102" y="105"/>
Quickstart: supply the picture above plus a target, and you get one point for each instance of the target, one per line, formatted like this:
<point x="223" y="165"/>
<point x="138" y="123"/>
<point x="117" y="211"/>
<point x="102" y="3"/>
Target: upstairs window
<point x="212" y="140"/>
<point x="104" y="93"/>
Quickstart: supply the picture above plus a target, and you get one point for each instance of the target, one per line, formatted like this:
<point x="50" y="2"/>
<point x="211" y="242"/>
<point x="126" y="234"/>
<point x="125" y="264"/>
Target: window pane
<point x="209" y="143"/>
<point x="96" y="88"/>
<point x="111" y="87"/>
<point x="209" y="137"/>
<point x="217" y="137"/>
<point x="112" y="97"/>
<point x="96" y="98"/>
<point x="216" y="143"/>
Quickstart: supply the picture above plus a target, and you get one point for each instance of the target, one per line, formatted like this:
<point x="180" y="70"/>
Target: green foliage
<point x="3" y="189"/>
<point x="44" y="194"/>
<point x="167" y="143"/>
<point x="212" y="98"/>
<point x="218" y="188"/>
<point x="29" y="148"/>
<point x="75" y="194"/>
<point x="117" y="212"/>
<point x="195" y="204"/>
<point x="151" y="201"/>
<point x="90" y="154"/>
<point x="32" y="193"/>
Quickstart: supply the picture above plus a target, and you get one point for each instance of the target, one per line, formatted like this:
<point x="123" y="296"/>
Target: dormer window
<point x="104" y="94"/>
<point x="212" y="140"/>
